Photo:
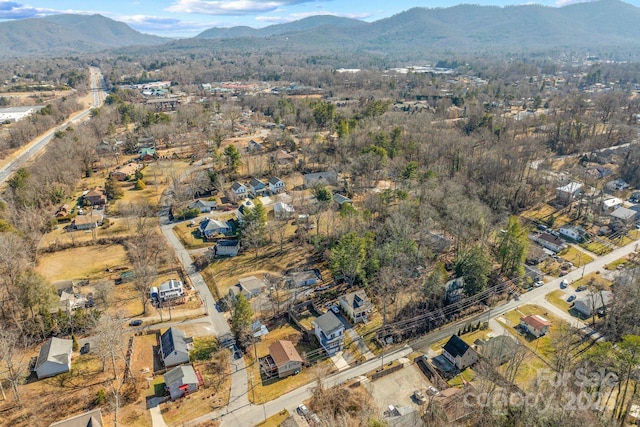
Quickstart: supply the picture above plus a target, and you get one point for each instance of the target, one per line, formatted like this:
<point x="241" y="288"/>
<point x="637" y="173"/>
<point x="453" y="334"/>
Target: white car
<point x="303" y="410"/>
<point x="538" y="283"/>
<point x="335" y="309"/>
<point x="433" y="391"/>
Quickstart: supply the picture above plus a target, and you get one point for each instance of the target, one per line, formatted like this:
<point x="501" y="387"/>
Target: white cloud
<point x="163" y="25"/>
<point x="233" y="7"/>
<point x="560" y="3"/>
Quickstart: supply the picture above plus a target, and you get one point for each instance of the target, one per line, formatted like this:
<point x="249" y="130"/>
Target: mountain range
<point x="464" y="28"/>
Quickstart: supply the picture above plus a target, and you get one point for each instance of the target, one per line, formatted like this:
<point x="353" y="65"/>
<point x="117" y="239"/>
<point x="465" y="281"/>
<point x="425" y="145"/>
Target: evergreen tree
<point x="241" y="319"/>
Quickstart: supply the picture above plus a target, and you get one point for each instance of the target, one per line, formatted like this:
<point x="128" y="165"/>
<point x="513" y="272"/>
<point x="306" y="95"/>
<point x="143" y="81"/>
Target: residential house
<point x="625" y="216"/>
<point x="497" y="350"/>
<point x="254" y="147"/>
<point x="305" y="278"/>
<point x="95" y="197"/>
<point x="356" y="305"/>
<point x="536" y="254"/>
<point x="70" y="300"/>
<point x="126" y="172"/>
<point x="592" y="302"/>
<point x="286" y="358"/>
<point x="87" y="222"/>
<point x="548" y="241"/>
<point x="283" y="158"/>
<point x="257" y="187"/>
<point x="276" y="185"/>
<point x="249" y="286"/>
<point x="209" y="228"/>
<point x="147" y="154"/>
<point x="568" y="193"/>
<point x="535" y="325"/>
<point x="329" y="177"/>
<point x="611" y="204"/>
<point x="226" y="248"/>
<point x="532" y="274"/>
<point x="62" y="212"/>
<point x="283" y="210"/>
<point x="616" y="185"/>
<point x="171" y="290"/>
<point x="175" y="347"/>
<point x="181" y="380"/>
<point x="242" y="209"/>
<point x="204" y="205"/>
<point x="239" y="191"/>
<point x="91" y="418"/>
<point x="330" y="332"/>
<point x="340" y="200"/>
<point x="573" y="233"/>
<point x="54" y="358"/>
<point x="459" y="353"/>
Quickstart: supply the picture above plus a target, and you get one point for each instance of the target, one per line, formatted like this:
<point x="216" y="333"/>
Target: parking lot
<point x="398" y="388"/>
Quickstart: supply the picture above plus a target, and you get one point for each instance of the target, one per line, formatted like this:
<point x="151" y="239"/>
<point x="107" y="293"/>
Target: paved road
<point x="239" y="379"/>
<point x="38" y="144"/>
<point x="251" y="415"/>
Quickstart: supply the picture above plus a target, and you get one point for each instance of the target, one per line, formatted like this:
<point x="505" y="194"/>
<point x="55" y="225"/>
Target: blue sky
<point x="186" y="18"/>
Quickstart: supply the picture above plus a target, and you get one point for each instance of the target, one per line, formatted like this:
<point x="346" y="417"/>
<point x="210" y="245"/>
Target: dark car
<point x="85" y="348"/>
<point x="571" y="298"/>
<point x="136" y="322"/>
<point x="581" y="288"/>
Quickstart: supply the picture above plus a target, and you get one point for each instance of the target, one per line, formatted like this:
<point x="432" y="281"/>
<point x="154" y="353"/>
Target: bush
<point x="101" y="397"/>
<point x="140" y="185"/>
<point x="74" y="343"/>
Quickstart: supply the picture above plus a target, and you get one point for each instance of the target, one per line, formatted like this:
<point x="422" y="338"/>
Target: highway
<point x="36" y="146"/>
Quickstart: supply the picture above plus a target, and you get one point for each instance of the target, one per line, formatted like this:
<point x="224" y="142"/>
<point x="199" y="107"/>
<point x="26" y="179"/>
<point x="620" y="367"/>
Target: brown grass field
<point x="90" y="262"/>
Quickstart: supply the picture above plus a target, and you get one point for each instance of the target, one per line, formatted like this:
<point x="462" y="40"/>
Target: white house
<point x="593" y="301"/>
<point x="568" y="193"/>
<point x="459" y="353"/>
<point x="611" y="204"/>
<point x="535" y="325"/>
<point x="174" y="347"/>
<point x="171" y="289"/>
<point x="330" y="332"/>
<point x="356" y="305"/>
<point x="250" y="286"/>
<point x="549" y="241"/>
<point x="574" y="233"/>
<point x="616" y="185"/>
<point x="54" y="358"/>
<point x="203" y="205"/>
<point x="239" y="191"/>
<point x="181" y="380"/>
<point x="276" y="185"/>
<point x="283" y="210"/>
<point x="227" y="247"/>
<point x="304" y="278"/>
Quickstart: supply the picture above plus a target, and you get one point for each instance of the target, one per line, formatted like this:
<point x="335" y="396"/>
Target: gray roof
<point x="256" y="183"/>
<point x="592" y="301"/>
<point x="357" y="299"/>
<point x="624" y="213"/>
<point x="328" y="323"/>
<point x="236" y="185"/>
<point x="87" y="419"/>
<point x="203" y="203"/>
<point x="274" y="180"/>
<point x="174" y="339"/>
<point x="251" y="283"/>
<point x="340" y="199"/>
<point x="184" y="374"/>
<point x="55" y="350"/>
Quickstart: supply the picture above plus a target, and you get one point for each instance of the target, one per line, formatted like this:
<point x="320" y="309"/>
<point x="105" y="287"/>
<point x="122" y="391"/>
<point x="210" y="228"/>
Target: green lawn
<point x="559" y="299"/>
<point x="541" y="346"/>
<point x="467" y="374"/>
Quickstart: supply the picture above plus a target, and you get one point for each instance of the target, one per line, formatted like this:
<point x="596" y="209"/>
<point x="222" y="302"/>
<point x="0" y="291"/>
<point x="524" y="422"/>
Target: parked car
<point x="538" y="283"/>
<point x="335" y="309"/>
<point x="564" y="284"/>
<point x="571" y="298"/>
<point x="303" y="410"/>
<point x="581" y="288"/>
<point x="433" y="391"/>
<point x="419" y="397"/>
<point x="85" y="348"/>
<point x="136" y="322"/>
